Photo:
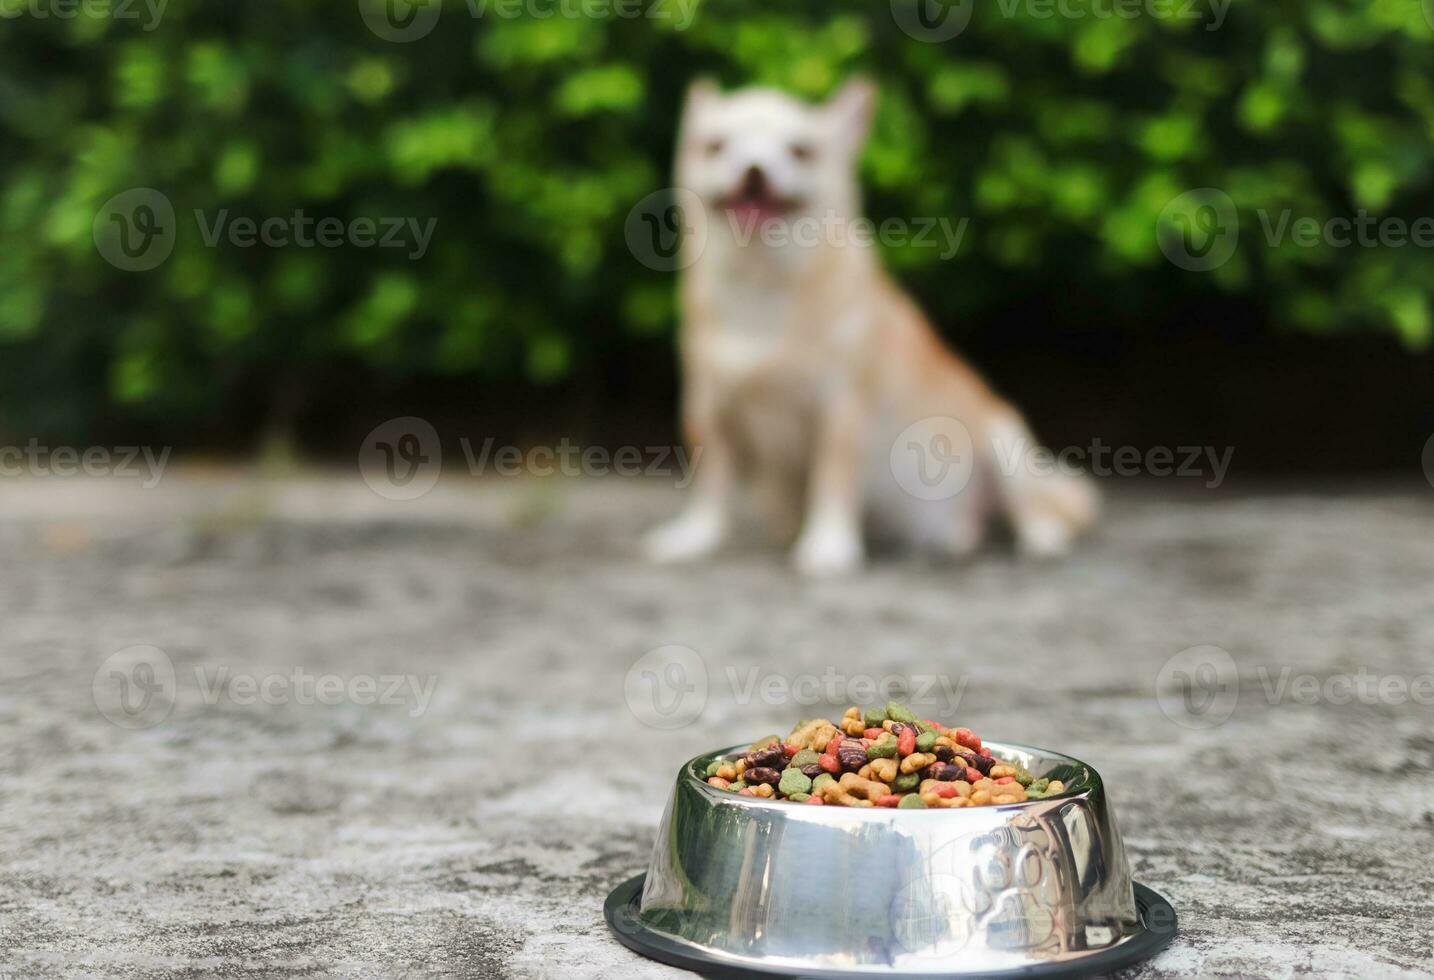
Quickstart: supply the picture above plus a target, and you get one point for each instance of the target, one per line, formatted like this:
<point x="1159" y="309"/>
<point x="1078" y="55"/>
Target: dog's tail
<point x="1048" y="504"/>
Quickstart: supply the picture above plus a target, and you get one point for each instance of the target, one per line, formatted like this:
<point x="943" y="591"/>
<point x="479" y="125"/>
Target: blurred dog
<point x="810" y="376"/>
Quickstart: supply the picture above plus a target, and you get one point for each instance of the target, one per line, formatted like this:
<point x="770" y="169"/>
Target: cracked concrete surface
<point x="255" y="830"/>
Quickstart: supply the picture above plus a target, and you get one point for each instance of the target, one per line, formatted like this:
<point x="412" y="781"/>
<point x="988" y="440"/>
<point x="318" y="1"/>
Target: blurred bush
<point x="530" y="137"/>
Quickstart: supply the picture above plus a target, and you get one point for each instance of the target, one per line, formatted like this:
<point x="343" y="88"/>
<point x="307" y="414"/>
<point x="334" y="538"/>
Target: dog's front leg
<point x="703" y="525"/>
<point x="830" y="542"/>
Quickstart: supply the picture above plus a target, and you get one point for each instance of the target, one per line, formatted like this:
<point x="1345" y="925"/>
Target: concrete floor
<point x="472" y="820"/>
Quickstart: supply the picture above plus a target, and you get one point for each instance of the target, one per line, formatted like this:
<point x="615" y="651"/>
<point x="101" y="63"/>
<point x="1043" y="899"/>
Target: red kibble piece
<point x="973" y="774"/>
<point x="745" y="792"/>
<point x="1006" y="779"/>
<point x="938" y="729"/>
<point x="944" y="790"/>
<point x="906" y="742"/>
<point x="891" y="799"/>
<point x="984" y="752"/>
<point x="790" y="750"/>
<point x="835" y="744"/>
<point x="814" y="801"/>
<point x="968" y="738"/>
<point x="872" y="733"/>
<point x="830" y="763"/>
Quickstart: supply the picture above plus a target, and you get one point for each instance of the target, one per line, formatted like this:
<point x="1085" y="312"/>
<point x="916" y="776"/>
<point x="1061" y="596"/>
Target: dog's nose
<point x="754" y="182"/>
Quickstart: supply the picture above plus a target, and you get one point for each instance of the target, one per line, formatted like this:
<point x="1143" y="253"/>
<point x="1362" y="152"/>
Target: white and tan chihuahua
<point x="808" y="372"/>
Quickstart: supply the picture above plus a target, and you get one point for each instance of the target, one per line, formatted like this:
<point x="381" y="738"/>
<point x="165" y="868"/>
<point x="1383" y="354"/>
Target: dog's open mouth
<point x="755" y="200"/>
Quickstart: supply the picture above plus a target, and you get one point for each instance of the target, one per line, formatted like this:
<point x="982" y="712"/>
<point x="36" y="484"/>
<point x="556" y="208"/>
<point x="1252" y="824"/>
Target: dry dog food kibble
<point x="880" y="757"/>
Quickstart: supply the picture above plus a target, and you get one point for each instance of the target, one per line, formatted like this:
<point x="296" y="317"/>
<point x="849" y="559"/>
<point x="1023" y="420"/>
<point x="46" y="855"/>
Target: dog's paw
<point x="1044" y="538"/>
<point x="825" y="551"/>
<point x="687" y="538"/>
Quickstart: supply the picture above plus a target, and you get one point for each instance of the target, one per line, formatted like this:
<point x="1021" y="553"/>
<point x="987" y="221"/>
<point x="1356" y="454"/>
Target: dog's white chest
<point x="753" y="324"/>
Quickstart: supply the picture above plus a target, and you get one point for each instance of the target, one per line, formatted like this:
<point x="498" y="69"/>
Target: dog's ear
<point x="700" y="94"/>
<point x="850" y="110"/>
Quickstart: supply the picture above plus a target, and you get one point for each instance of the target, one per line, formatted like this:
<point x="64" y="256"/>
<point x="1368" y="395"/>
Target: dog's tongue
<point x="752" y="209"/>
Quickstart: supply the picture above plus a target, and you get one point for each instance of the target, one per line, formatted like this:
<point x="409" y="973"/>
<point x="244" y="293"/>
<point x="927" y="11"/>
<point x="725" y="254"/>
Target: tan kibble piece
<point x="763" y="790"/>
<point x="883" y="770"/>
<point x="998" y="771"/>
<point x="917" y="761"/>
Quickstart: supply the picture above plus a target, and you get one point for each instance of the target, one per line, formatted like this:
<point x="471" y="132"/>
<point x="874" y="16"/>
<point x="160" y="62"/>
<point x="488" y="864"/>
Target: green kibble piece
<point x="766" y="742"/>
<point x="874" y="717"/>
<point x="1024" y="778"/>
<point x="906" y="782"/>
<point x="911" y="802"/>
<point x="737" y="784"/>
<point x="800" y="797"/>
<point x="898" y="712"/>
<point x="806" y="757"/>
<point x="882" y="748"/>
<point x="712" y="767"/>
<point x="822" y="780"/>
<point x="926" y="741"/>
<point x="1038" y="786"/>
<point x="793" y="781"/>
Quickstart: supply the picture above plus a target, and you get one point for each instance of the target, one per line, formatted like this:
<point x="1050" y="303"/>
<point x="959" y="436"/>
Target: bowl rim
<point x="1093" y="784"/>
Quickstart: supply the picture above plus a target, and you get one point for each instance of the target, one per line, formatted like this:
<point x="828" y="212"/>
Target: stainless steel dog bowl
<point x="740" y="885"/>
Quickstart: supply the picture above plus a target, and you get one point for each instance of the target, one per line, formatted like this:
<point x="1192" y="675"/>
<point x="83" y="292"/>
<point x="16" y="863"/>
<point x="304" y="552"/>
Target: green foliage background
<point x="530" y="138"/>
